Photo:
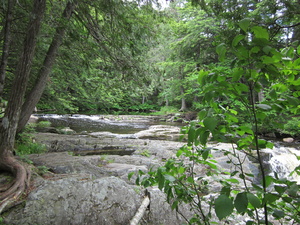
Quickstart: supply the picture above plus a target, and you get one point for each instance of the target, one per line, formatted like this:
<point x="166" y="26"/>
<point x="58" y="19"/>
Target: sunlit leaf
<point x="260" y="32"/>
<point x="237" y="39"/>
<point x="130" y="175"/>
<point x="232" y="180"/>
<point x="202" y="76"/>
<point x="237" y="74"/>
<point x="221" y="51"/>
<point x="244" y="24"/>
<point x="169" y="178"/>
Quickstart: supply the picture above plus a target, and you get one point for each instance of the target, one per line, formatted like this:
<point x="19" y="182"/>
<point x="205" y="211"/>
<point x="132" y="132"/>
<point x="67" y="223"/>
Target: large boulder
<point x="83" y="200"/>
<point x="107" y="200"/>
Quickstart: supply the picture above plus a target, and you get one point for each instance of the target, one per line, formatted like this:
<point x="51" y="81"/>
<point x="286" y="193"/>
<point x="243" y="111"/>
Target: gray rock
<point x="160" y="132"/>
<point x="78" y="201"/>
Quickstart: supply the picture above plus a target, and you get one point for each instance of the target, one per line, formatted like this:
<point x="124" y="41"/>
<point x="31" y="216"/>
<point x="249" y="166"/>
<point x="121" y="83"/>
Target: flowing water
<point x="97" y="123"/>
<point x="279" y="160"/>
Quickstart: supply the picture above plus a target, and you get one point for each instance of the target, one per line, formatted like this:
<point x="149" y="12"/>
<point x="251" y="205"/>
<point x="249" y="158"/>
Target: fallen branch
<point x="141" y="211"/>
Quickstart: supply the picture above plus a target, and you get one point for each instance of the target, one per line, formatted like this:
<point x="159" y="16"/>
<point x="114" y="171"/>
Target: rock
<point x="79" y="200"/>
<point x="67" y="130"/>
<point x="33" y="119"/>
<point x="160" y="132"/>
<point x="288" y="140"/>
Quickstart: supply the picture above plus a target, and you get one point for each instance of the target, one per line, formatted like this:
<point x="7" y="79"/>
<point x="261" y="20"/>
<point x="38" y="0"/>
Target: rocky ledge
<point x="83" y="179"/>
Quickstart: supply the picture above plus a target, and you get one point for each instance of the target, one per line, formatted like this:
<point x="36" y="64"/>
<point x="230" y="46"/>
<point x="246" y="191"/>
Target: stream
<point x="97" y="123"/>
<point x="282" y="159"/>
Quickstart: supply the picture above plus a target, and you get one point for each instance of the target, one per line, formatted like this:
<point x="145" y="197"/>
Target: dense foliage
<point x="228" y="93"/>
<point x="236" y="63"/>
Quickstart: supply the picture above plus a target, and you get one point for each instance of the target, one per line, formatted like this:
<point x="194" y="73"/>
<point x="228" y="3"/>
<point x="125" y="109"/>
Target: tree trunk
<point x="183" y="102"/>
<point x="35" y="94"/>
<point x="8" y="125"/>
<point x="6" y="43"/>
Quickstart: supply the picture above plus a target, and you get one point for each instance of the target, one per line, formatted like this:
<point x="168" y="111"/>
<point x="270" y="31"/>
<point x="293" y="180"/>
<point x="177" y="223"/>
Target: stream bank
<point x="79" y="187"/>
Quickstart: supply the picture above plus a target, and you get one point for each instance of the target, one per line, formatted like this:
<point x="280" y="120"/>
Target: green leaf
<point x="244" y="24"/>
<point x="160" y="178"/>
<point x="280" y="189"/>
<point x="223" y="206"/>
<point x="241" y="87"/>
<point x="269" y="180"/>
<point x="130" y="175"/>
<point x="293" y="189"/>
<point x="267" y="60"/>
<point x="278" y="214"/>
<point x="237" y="39"/>
<point x="191" y="135"/>
<point x="298" y="50"/>
<point x="273" y="94"/>
<point x="241" y="202"/>
<point x="204" y="135"/>
<point x="221" y="51"/>
<point x="293" y="100"/>
<point x="237" y="74"/>
<point x="210" y="123"/>
<point x="254" y="201"/>
<point x="226" y="191"/>
<point x="202" y="75"/>
<point x="246" y="129"/>
<point x="175" y="205"/>
<point x="202" y="114"/>
<point x="181" y="170"/>
<point x="255" y="49"/>
<point x="260" y="32"/>
<point x="232" y="180"/>
<point x="269" y="198"/>
<point x="169" y="178"/>
<point x="205" y="153"/>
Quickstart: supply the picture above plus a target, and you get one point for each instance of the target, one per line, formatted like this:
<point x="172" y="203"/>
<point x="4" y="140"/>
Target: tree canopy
<point x="236" y="63"/>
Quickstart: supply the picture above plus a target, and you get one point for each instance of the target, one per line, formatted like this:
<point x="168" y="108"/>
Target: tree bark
<point x="6" y="43"/>
<point x="183" y="102"/>
<point x="8" y="125"/>
<point x="35" y="94"/>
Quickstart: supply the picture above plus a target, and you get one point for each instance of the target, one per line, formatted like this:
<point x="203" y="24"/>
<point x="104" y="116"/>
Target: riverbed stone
<point x="107" y="200"/>
<point x="95" y="189"/>
<point x="160" y="132"/>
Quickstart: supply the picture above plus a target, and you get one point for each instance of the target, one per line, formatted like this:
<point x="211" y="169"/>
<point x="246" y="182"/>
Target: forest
<point x="235" y="64"/>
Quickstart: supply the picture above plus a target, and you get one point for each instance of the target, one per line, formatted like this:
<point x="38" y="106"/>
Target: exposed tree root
<point x="20" y="184"/>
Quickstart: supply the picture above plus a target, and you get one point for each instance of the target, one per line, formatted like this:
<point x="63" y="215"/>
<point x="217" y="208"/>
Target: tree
<point x="35" y="94"/>
<point x="6" y="43"/>
<point x="22" y="101"/>
<point x="9" y="123"/>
